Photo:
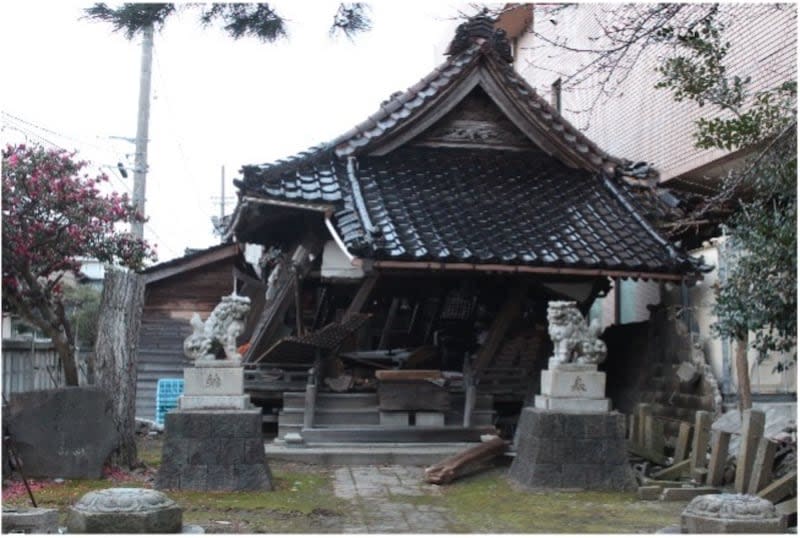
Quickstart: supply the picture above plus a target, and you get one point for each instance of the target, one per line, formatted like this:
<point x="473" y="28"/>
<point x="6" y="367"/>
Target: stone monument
<point x="570" y="438"/>
<point x="213" y="440"/>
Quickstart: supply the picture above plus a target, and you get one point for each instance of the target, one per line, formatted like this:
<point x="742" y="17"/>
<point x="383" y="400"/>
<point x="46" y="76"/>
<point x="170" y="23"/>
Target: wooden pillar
<point x="751" y="433"/>
<point x="719" y="455"/>
<point x="762" y="467"/>
<point x="654" y="435"/>
<point x="470" y="395"/>
<point x="702" y="433"/>
<point x="683" y="447"/>
<point x="311" y="399"/>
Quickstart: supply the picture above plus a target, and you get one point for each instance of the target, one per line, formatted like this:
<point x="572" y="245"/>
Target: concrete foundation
<point x="219" y="450"/>
<point x="571" y="450"/>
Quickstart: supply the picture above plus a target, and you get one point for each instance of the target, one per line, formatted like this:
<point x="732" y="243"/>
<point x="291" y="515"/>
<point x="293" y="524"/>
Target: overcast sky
<point x="215" y="101"/>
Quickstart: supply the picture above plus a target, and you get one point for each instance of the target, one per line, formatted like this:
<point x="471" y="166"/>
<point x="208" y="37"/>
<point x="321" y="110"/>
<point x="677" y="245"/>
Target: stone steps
<point x="418" y="454"/>
<point x="397" y="434"/>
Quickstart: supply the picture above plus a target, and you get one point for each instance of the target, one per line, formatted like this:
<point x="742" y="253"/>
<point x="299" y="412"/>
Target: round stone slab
<point x="125" y="511"/>
<point x="731" y="513"/>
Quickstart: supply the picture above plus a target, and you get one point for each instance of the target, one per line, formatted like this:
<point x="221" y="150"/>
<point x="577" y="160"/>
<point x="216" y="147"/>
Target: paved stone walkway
<point x="370" y="489"/>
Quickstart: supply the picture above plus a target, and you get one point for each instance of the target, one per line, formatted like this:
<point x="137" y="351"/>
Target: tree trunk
<point x="116" y="354"/>
<point x="743" y="375"/>
<point x="68" y="359"/>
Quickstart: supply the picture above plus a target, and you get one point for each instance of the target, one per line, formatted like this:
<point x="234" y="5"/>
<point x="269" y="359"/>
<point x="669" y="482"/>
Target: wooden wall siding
<point x="160" y="356"/>
<point x="199" y="290"/>
<point x="36" y="366"/>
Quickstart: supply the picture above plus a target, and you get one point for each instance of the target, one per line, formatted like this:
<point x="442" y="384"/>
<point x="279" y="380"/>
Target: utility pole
<point x="142" y="128"/>
<point x="222" y="198"/>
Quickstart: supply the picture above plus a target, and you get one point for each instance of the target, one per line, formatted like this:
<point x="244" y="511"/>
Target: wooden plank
<point x="676" y="470"/>
<point x="720" y="440"/>
<point x="407" y="375"/>
<point x="761" y="474"/>
<point x="781" y="488"/>
<point x="683" y="446"/>
<point x="654" y="434"/>
<point x="751" y="433"/>
<point x="643" y="410"/>
<point x="702" y="434"/>
<point x="509" y="312"/>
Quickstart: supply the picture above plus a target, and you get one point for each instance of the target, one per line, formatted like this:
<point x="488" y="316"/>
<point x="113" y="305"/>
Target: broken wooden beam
<point x="653" y="434"/>
<point x="465" y="462"/>
<point x="361" y="296"/>
<point x="676" y="470"/>
<point x="647" y="454"/>
<point x="720" y="440"/>
<point x="761" y="475"/>
<point x="686" y="494"/>
<point x="508" y="313"/>
<point x="751" y="433"/>
<point x="780" y="488"/>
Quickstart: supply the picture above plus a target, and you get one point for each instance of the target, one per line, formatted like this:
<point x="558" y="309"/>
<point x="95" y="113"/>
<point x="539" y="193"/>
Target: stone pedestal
<point x="30" y="520"/>
<point x="573" y="388"/>
<point x="728" y="513"/>
<point x="214" y="450"/>
<point x="214" y="384"/>
<point x="557" y="450"/>
<point x="125" y="510"/>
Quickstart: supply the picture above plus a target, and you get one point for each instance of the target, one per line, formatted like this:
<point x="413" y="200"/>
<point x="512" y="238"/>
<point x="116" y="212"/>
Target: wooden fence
<point x="31" y="365"/>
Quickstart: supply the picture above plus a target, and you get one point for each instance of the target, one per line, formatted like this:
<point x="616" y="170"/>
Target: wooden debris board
<point x="781" y="488"/>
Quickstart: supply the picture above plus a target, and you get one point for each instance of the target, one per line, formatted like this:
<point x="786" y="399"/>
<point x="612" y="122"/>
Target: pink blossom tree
<point x="53" y="214"/>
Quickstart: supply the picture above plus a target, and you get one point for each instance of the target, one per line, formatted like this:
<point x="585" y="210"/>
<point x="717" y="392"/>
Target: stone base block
<point x="30" y="520"/>
<point x="188" y="402"/>
<point x="578" y="381"/>
<point x="568" y="450"/>
<point x="219" y="450"/>
<point x="424" y="418"/>
<point x="394" y="418"/>
<point x="213" y="381"/>
<point x="573" y="405"/>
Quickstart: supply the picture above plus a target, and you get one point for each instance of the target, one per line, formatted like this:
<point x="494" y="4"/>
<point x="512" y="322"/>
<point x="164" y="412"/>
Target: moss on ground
<point x="489" y="503"/>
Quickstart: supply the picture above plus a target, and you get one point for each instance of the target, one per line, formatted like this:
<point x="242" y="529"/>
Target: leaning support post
<point x="683" y="447"/>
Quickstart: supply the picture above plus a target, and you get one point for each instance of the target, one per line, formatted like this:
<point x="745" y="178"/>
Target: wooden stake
<point x="720" y="441"/>
<point x="751" y="433"/>
<point x="683" y="447"/>
<point x="702" y="433"/>
<point x="762" y="467"/>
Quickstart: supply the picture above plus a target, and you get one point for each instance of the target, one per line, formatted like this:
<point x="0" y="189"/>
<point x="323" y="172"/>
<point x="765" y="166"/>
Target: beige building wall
<point x="639" y="122"/>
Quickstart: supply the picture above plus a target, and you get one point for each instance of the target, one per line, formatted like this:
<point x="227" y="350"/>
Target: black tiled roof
<point x="473" y="205"/>
<point x="479" y="206"/>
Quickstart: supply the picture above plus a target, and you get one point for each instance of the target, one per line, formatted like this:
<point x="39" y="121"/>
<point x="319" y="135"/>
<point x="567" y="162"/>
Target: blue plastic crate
<point x="167" y="393"/>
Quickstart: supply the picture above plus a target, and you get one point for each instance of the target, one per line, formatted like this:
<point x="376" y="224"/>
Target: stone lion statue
<point x="573" y="340"/>
<point x="216" y="337"/>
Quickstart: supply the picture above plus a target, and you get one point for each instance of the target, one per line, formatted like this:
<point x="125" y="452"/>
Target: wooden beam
<point x="361" y="296"/>
<point x="781" y="488"/>
<point x="654" y="434"/>
<point x="676" y="470"/>
<point x="508" y="313"/>
<point x="762" y="466"/>
<point x="751" y="433"/>
<point x="720" y="440"/>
